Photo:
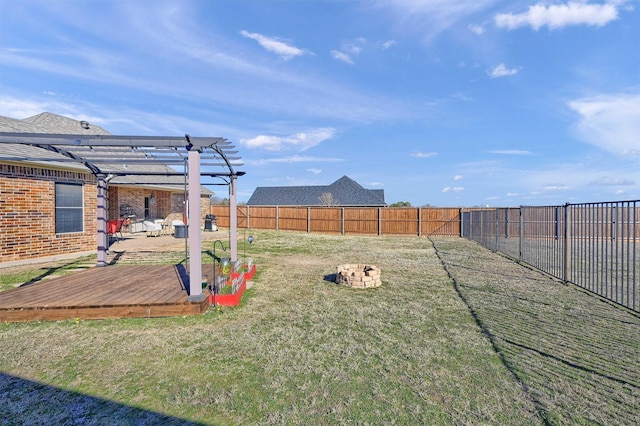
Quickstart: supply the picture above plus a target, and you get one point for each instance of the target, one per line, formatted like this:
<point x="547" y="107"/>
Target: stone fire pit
<point x="358" y="276"/>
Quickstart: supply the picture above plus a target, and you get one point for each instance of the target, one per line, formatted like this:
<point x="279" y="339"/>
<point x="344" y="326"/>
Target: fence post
<point x="379" y="220"/>
<point x="521" y="236"/>
<point x="461" y="221"/>
<point x="567" y="243"/>
<point x="248" y="219"/>
<point x="419" y="221"/>
<point x="506" y="223"/>
<point x="277" y="217"/>
<point x="497" y="228"/>
<point x="308" y="220"/>
<point x="342" y="221"/>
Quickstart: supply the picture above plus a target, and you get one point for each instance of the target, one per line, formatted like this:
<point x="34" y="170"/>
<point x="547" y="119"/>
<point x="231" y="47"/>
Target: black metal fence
<point x="592" y="245"/>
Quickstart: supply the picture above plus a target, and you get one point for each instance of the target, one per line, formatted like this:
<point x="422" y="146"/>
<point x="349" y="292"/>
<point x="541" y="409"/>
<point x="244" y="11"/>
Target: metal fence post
<point x="567" y="243"/>
<point x="496" y="210"/>
<point x="521" y="236"/>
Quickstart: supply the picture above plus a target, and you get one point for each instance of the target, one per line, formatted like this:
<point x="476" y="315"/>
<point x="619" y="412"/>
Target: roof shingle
<point x="344" y="192"/>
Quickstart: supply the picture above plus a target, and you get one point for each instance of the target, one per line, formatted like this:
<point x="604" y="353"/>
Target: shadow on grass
<point x="28" y="402"/>
<point x="76" y="264"/>
<point x="331" y="278"/>
<point x="574" y="356"/>
<point x="117" y="257"/>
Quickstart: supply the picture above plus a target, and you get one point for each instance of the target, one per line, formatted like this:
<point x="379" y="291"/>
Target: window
<point x="69" y="208"/>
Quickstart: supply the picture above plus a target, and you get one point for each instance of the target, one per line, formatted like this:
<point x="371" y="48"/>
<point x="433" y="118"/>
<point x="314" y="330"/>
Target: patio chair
<point x="152" y="229"/>
<point x="114" y="227"/>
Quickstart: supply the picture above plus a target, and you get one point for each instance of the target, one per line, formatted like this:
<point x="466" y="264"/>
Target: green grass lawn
<point x="302" y="350"/>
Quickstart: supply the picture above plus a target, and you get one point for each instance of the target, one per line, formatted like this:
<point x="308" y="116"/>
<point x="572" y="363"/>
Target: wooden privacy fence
<point x="420" y="221"/>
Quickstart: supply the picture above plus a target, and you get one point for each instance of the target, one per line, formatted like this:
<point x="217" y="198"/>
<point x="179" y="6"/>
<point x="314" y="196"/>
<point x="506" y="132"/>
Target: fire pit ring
<point x="358" y="276"/>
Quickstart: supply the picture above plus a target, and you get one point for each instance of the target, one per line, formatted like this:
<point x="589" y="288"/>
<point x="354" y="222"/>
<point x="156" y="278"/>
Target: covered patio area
<point x="107" y="157"/>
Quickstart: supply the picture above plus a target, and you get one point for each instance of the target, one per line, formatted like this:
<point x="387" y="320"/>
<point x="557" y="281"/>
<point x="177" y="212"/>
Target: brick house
<point x="48" y="208"/>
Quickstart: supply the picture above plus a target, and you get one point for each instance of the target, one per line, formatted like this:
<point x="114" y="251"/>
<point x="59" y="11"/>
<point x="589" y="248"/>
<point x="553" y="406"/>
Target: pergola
<point x="104" y="155"/>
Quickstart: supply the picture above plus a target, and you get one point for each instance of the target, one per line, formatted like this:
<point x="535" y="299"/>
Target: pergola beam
<point x="104" y="155"/>
<point x="111" y="140"/>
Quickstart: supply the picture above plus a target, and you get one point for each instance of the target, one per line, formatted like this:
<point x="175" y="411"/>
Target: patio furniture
<point x="165" y="224"/>
<point x="152" y="229"/>
<point x="114" y="227"/>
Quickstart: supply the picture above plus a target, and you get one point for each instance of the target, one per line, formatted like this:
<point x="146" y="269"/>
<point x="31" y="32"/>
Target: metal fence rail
<point x="592" y="245"/>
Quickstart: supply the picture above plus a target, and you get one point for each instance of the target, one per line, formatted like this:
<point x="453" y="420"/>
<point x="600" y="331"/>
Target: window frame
<point x="69" y="211"/>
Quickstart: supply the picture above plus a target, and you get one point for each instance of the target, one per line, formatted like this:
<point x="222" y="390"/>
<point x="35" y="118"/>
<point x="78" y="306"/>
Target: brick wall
<point x="165" y="204"/>
<point x="27" y="213"/>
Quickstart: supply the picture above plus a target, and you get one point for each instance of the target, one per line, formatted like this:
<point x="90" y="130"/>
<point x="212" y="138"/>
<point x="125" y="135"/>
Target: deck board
<point x="116" y="291"/>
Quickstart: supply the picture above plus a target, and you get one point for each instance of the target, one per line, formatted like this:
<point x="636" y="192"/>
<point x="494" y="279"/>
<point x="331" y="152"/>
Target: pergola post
<point x="233" y="219"/>
<point x="105" y="163"/>
<point x="103" y="243"/>
<point x="195" y="237"/>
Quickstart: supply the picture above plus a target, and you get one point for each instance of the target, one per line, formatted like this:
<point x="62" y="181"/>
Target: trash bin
<point x="181" y="231"/>
<point x="210" y="223"/>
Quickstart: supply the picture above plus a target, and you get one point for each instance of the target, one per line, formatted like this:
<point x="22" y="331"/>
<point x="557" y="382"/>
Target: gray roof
<point x="45" y="123"/>
<point x="48" y="123"/>
<point x="344" y="192"/>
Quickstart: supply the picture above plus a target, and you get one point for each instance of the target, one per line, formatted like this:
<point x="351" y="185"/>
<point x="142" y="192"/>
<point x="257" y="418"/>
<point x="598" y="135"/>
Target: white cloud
<point x="559" y="15"/>
<point x="423" y="154"/>
<point x="356" y="47"/>
<point x="431" y="17"/>
<point x="609" y="181"/>
<point x="341" y="56"/>
<point x="453" y="189"/>
<point x="510" y="152"/>
<point x="279" y="47"/>
<point x="300" y="141"/>
<point x="21" y="109"/>
<point x="555" y="187"/>
<point x="610" y="122"/>
<point x="458" y="177"/>
<point x="477" y="29"/>
<point x="315" y="171"/>
<point x="388" y="44"/>
<point x="501" y="71"/>
<point x="292" y="159"/>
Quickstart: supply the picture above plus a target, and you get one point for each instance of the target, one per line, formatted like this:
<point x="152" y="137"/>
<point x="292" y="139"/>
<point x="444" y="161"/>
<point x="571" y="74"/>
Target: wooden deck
<point x="116" y="291"/>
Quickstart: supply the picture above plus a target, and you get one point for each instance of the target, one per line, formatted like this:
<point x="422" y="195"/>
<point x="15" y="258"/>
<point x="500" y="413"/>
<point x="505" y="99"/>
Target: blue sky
<point x="438" y="102"/>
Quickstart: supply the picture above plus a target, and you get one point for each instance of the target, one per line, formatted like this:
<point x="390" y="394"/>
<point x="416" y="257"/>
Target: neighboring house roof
<point x="48" y="123"/>
<point x="344" y="192"/>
